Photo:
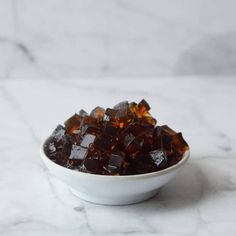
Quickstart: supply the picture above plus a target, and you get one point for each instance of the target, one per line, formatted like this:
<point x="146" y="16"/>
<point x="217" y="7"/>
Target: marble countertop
<point x="117" y="38"/>
<point x="201" y="201"/>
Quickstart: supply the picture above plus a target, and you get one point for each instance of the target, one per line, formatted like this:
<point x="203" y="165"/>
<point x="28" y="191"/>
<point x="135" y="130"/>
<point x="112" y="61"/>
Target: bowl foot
<point x="115" y="201"/>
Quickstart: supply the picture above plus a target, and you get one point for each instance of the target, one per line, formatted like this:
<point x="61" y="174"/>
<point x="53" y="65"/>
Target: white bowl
<point x="113" y="190"/>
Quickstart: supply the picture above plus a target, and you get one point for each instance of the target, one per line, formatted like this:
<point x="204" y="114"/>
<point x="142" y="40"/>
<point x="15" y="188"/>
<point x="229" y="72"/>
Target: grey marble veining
<point x="201" y="201"/>
<point x="117" y="38"/>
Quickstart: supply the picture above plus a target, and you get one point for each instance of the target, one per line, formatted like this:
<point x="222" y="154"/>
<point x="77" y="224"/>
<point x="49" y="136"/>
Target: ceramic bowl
<point x="113" y="190"/>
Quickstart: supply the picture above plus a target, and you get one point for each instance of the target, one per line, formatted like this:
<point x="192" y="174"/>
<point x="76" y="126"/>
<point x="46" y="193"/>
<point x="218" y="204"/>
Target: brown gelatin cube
<point x="108" y="139"/>
<point x="110" y="112"/>
<point x="90" y="165"/>
<point x="168" y="140"/>
<point x="123" y="118"/>
<point x="148" y="119"/>
<point x="128" y="139"/>
<point x="159" y="158"/>
<point x="115" y="163"/>
<point x="59" y="133"/>
<point x="147" y="136"/>
<point x="93" y="164"/>
<point x="135" y="146"/>
<point x="52" y="149"/>
<point x="66" y="145"/>
<point x="88" y="140"/>
<point x="73" y="164"/>
<point x="109" y="115"/>
<point x="173" y="158"/>
<point x="91" y="129"/>
<point x="88" y="120"/>
<point x="83" y="113"/>
<point x="133" y="107"/>
<point x="162" y="138"/>
<point x="167" y="143"/>
<point x="122" y="106"/>
<point x="73" y="138"/>
<point x="78" y="152"/>
<point x="97" y="113"/>
<point x="179" y="144"/>
<point x="166" y="129"/>
<point x="143" y="107"/>
<point x="158" y="131"/>
<point x="73" y="124"/>
<point x="142" y="164"/>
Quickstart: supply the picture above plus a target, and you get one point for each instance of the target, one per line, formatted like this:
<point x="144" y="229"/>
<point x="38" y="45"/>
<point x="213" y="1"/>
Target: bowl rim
<point x="184" y="159"/>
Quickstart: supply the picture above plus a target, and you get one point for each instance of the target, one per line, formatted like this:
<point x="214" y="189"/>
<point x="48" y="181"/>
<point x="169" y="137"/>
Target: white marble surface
<point x="118" y="38"/>
<point x="201" y="201"/>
